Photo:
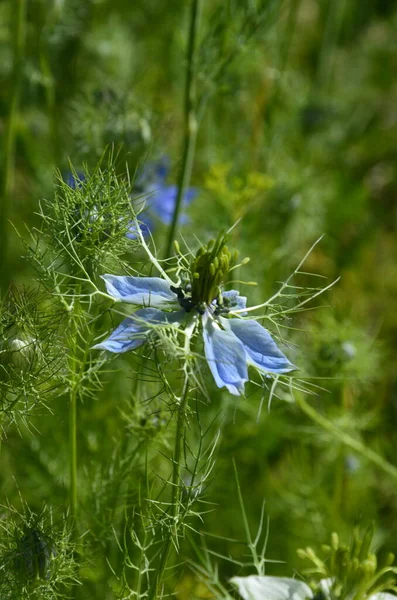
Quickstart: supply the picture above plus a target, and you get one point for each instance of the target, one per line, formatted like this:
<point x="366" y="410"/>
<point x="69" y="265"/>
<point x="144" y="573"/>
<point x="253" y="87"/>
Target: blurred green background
<point x="298" y="140"/>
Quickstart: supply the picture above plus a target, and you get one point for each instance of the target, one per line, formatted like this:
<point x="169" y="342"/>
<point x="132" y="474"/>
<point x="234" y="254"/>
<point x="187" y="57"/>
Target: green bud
<point x="176" y="246"/>
<point x="212" y="269"/>
<point x="245" y="261"/>
<point x="369" y="566"/>
<point x="367" y="539"/>
<point x="310" y="553"/>
<point x="354" y="564"/>
<point x="34" y="553"/>
<point x="20" y="353"/>
<point x="334" y="540"/>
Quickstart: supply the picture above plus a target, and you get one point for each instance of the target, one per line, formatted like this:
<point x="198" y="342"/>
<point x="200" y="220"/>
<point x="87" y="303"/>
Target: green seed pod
<point x="21" y="354"/>
<point x="33" y="555"/>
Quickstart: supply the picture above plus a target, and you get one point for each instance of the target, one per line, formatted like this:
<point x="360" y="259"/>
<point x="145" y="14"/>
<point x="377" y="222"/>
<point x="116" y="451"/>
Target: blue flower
<point x="231" y="343"/>
<point x="74" y="179"/>
<point x="161" y="197"/>
<point x="257" y="587"/>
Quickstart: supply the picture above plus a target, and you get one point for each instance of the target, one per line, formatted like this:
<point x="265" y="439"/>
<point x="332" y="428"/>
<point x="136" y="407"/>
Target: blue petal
<point x="133" y="332"/>
<point x="161" y="169"/>
<point x="190" y="195"/>
<point x="163" y="201"/>
<point x="147" y="291"/>
<point x="236" y="301"/>
<point x="262" y="351"/>
<point x="226" y="358"/>
<point x="145" y="224"/>
<point x="71" y="180"/>
<point x="256" y="587"/>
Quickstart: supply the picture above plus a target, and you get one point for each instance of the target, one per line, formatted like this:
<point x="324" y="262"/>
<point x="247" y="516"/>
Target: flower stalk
<point x="176" y="474"/>
<point x="10" y="135"/>
<point x="345" y="438"/>
<point x="190" y="126"/>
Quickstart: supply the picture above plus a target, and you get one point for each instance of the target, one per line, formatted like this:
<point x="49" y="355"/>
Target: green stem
<point x="190" y="129"/>
<point x="1" y="433"/>
<point x="345" y="438"/>
<point x="74" y="382"/>
<point x="176" y="473"/>
<point x="73" y="453"/>
<point x="176" y="492"/>
<point x="10" y="136"/>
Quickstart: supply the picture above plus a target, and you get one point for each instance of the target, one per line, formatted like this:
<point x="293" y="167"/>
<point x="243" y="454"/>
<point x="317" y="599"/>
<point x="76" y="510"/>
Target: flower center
<point x="202" y="282"/>
<point x="209" y="270"/>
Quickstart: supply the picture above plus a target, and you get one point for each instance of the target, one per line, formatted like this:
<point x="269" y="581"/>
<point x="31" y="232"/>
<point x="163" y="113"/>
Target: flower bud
<point x="22" y="354"/>
<point x="34" y="552"/>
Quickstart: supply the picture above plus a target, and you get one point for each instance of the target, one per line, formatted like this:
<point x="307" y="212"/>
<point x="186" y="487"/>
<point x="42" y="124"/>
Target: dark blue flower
<point x="73" y="179"/>
<point x="231" y="343"/>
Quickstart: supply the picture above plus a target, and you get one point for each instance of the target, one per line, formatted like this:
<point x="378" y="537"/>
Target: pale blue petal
<point x="146" y="291"/>
<point x="262" y="351"/>
<point x="260" y="587"/>
<point x="226" y="358"/>
<point x="236" y="301"/>
<point x="325" y="586"/>
<point x="132" y="332"/>
<point x="145" y="225"/>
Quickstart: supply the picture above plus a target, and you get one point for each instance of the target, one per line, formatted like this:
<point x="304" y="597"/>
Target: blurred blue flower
<point x="160" y="197"/>
<point x="145" y="224"/>
<point x="230" y="344"/>
<point x="73" y="179"/>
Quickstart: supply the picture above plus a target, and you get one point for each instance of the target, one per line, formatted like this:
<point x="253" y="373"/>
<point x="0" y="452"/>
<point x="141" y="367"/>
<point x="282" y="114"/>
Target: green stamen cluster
<point x="354" y="570"/>
<point x="209" y="270"/>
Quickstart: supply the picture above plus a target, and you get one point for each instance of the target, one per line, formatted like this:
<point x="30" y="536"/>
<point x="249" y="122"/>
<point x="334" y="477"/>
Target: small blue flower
<point x="231" y="344"/>
<point x="161" y="197"/>
<point x="74" y="179"/>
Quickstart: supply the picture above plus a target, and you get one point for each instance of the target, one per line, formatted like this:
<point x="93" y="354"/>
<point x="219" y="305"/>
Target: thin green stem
<point x="176" y="475"/>
<point x="74" y="383"/>
<point x="10" y="136"/>
<point x="345" y="438"/>
<point x="176" y="492"/>
<point x="190" y="126"/>
<point x="73" y="452"/>
<point x="1" y="433"/>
